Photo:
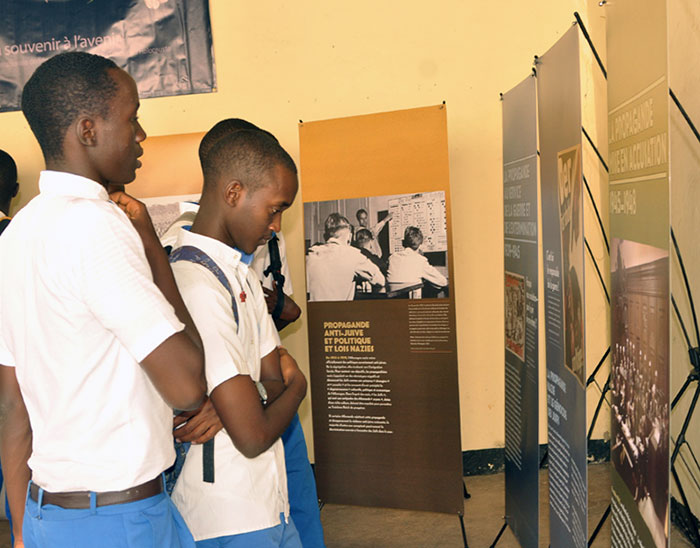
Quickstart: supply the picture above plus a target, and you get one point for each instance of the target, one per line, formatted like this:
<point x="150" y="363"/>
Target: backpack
<point x="195" y="255"/>
<point x="275" y="268"/>
<point x="4" y="221"/>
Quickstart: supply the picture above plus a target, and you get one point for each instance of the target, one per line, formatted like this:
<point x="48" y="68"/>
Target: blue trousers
<point x="303" y="499"/>
<point x="7" y="510"/>
<point x="149" y="523"/>
<point x="283" y="535"/>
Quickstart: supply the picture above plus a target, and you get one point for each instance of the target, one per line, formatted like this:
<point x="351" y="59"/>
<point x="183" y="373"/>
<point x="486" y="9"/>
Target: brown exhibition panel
<point x="382" y="350"/>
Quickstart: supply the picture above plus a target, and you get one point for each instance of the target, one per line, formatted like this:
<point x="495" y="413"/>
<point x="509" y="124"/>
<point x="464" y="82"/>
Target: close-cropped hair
<point x="360" y="212"/>
<point x="61" y="89"/>
<point x="412" y="237"/>
<point x="362" y="236"/>
<point x="246" y="156"/>
<point x="335" y="222"/>
<point x="222" y="129"/>
<point x="8" y="177"/>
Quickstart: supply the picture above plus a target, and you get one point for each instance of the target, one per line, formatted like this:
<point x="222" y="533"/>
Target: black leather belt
<point x="75" y="500"/>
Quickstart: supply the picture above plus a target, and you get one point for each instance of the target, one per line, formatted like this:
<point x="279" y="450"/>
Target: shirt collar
<point x="217" y="250"/>
<point x="60" y="183"/>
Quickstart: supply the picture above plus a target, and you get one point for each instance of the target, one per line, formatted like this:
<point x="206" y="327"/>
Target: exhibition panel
<point x="381" y="318"/>
<point x="521" y="259"/>
<point x="559" y="114"/>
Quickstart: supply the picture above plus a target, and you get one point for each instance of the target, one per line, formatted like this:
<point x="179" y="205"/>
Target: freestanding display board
<point x="559" y="114"/>
<point x="381" y="319"/>
<point x="639" y="223"/>
<point x="520" y="207"/>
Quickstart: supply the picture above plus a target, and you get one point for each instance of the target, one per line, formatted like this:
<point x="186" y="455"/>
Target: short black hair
<point x="335" y="222"/>
<point x="222" y="129"/>
<point x="359" y="212"/>
<point x="245" y="155"/>
<point x="62" y="88"/>
<point x="8" y="177"/>
<point x="412" y="237"/>
<point x="363" y="236"/>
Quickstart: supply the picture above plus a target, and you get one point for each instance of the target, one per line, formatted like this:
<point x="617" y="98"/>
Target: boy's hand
<point x="198" y="426"/>
<point x="135" y="210"/>
<point x="292" y="375"/>
<point x="270" y="297"/>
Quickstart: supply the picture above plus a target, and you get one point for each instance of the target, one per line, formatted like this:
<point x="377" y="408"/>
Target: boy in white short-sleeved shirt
<point x="255" y="387"/>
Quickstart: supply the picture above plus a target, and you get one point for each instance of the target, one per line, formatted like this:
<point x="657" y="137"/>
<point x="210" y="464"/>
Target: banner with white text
<point x="559" y="114"/>
<point x="638" y="137"/>
<point x="520" y="207"/>
<point x="166" y="45"/>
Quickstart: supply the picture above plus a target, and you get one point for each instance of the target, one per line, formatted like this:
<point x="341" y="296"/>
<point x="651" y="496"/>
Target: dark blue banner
<point x="559" y="115"/>
<point x="521" y="311"/>
<point x="166" y="45"/>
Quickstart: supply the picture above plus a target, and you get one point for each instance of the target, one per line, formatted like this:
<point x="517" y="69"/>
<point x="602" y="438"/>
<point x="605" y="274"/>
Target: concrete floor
<point x="359" y="527"/>
<point x="362" y="527"/>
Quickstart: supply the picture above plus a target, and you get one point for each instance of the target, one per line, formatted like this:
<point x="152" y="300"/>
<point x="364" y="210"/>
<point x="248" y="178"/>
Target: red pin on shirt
<point x="242" y="296"/>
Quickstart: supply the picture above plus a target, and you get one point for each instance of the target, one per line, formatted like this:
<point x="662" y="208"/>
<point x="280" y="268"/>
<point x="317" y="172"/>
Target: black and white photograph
<point x="166" y="210"/>
<point x="640" y="384"/>
<point x="378" y="247"/>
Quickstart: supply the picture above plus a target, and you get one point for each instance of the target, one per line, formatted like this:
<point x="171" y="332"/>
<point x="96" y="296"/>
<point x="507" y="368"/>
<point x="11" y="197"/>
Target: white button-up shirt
<point x="331" y="269"/>
<point x="409" y="266"/>
<point x="78" y="312"/>
<point x="248" y="494"/>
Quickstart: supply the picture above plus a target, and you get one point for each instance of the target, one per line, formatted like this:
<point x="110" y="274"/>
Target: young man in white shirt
<point x="95" y="340"/>
<point x="301" y="484"/>
<point x="255" y="386"/>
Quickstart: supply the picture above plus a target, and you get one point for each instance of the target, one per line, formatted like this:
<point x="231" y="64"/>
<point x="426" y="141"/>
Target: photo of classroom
<point x="378" y="247"/>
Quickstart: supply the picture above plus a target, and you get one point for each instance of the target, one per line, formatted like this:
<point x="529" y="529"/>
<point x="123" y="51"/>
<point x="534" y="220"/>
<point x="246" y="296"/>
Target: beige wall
<point x="683" y="25"/>
<point x="278" y="62"/>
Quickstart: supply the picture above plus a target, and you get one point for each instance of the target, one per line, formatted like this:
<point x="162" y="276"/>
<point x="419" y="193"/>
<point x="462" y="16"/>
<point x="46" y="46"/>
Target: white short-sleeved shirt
<point x="78" y="312"/>
<point x="331" y="269"/>
<point x="409" y="266"/>
<point x="248" y="494"/>
<point x="261" y="256"/>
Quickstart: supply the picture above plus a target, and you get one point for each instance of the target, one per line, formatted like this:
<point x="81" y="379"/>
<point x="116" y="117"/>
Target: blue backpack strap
<point x="196" y="255"/>
<point x="4" y="221"/>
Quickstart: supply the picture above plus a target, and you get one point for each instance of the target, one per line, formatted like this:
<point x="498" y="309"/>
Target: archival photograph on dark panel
<point x="377" y="247"/>
<point x="515" y="314"/>
<point x="571" y="224"/>
<point x="640" y="378"/>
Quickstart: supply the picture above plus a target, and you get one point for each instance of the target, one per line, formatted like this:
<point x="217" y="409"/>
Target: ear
<point x="85" y="131"/>
<point x="233" y="192"/>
